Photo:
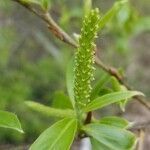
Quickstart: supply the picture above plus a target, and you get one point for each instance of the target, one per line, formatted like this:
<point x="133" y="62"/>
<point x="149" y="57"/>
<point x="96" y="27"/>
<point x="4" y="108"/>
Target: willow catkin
<point x="84" y="58"/>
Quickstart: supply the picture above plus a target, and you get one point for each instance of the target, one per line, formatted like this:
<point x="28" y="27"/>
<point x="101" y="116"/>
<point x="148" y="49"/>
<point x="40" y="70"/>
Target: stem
<point x="88" y="118"/>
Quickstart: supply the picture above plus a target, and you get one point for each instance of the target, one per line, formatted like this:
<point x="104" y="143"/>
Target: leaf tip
<point x="21" y="131"/>
<point x="139" y="93"/>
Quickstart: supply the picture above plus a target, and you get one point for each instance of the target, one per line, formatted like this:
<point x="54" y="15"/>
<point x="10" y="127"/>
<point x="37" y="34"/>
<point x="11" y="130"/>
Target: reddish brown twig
<point x="52" y="25"/>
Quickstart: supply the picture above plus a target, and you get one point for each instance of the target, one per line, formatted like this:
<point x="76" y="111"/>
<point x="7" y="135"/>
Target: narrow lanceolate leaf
<point x="111" y="98"/>
<point x="61" y="101"/>
<point x="99" y="85"/>
<point x="110" y="137"/>
<point x="49" y="111"/>
<point x="10" y="120"/>
<point x="96" y="145"/>
<point x="118" y="87"/>
<point x="57" y="137"/>
<point x="115" y="121"/>
<point x="84" y="58"/>
<point x="70" y="80"/>
<point x="112" y="12"/>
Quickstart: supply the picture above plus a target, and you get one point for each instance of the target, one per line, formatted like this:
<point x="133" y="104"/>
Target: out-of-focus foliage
<point x="127" y="24"/>
<point x="33" y="63"/>
<point x="27" y="72"/>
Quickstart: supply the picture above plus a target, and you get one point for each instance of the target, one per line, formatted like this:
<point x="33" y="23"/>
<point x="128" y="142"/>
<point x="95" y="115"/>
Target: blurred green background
<point x="33" y="61"/>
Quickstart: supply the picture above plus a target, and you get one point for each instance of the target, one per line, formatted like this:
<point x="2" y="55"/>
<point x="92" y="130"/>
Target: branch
<point x="140" y="126"/>
<point x="63" y="36"/>
<point x="114" y="72"/>
<point x="52" y="25"/>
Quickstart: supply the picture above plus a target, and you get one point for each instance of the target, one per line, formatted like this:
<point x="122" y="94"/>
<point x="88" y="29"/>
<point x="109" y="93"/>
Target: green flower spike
<point x="84" y="58"/>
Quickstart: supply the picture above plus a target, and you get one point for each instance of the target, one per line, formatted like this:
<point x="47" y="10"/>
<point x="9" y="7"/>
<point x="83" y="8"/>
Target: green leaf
<point x="49" y="111"/>
<point x="108" y="99"/>
<point x="111" y="137"/>
<point x="141" y="25"/>
<point x="118" y="87"/>
<point x="115" y="121"/>
<point x="57" y="137"/>
<point x="45" y="4"/>
<point x="123" y="103"/>
<point x="111" y="13"/>
<point x="61" y="101"/>
<point x="99" y="85"/>
<point x="105" y="91"/>
<point x="96" y="145"/>
<point x="10" y="120"/>
<point x="70" y="80"/>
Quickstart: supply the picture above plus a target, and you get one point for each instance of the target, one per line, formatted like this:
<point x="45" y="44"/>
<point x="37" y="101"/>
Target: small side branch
<point x="140" y="126"/>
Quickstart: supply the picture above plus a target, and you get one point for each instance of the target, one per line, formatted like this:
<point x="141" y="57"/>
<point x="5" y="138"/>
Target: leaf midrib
<point x="63" y="131"/>
<point x="101" y="101"/>
<point x="103" y="136"/>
